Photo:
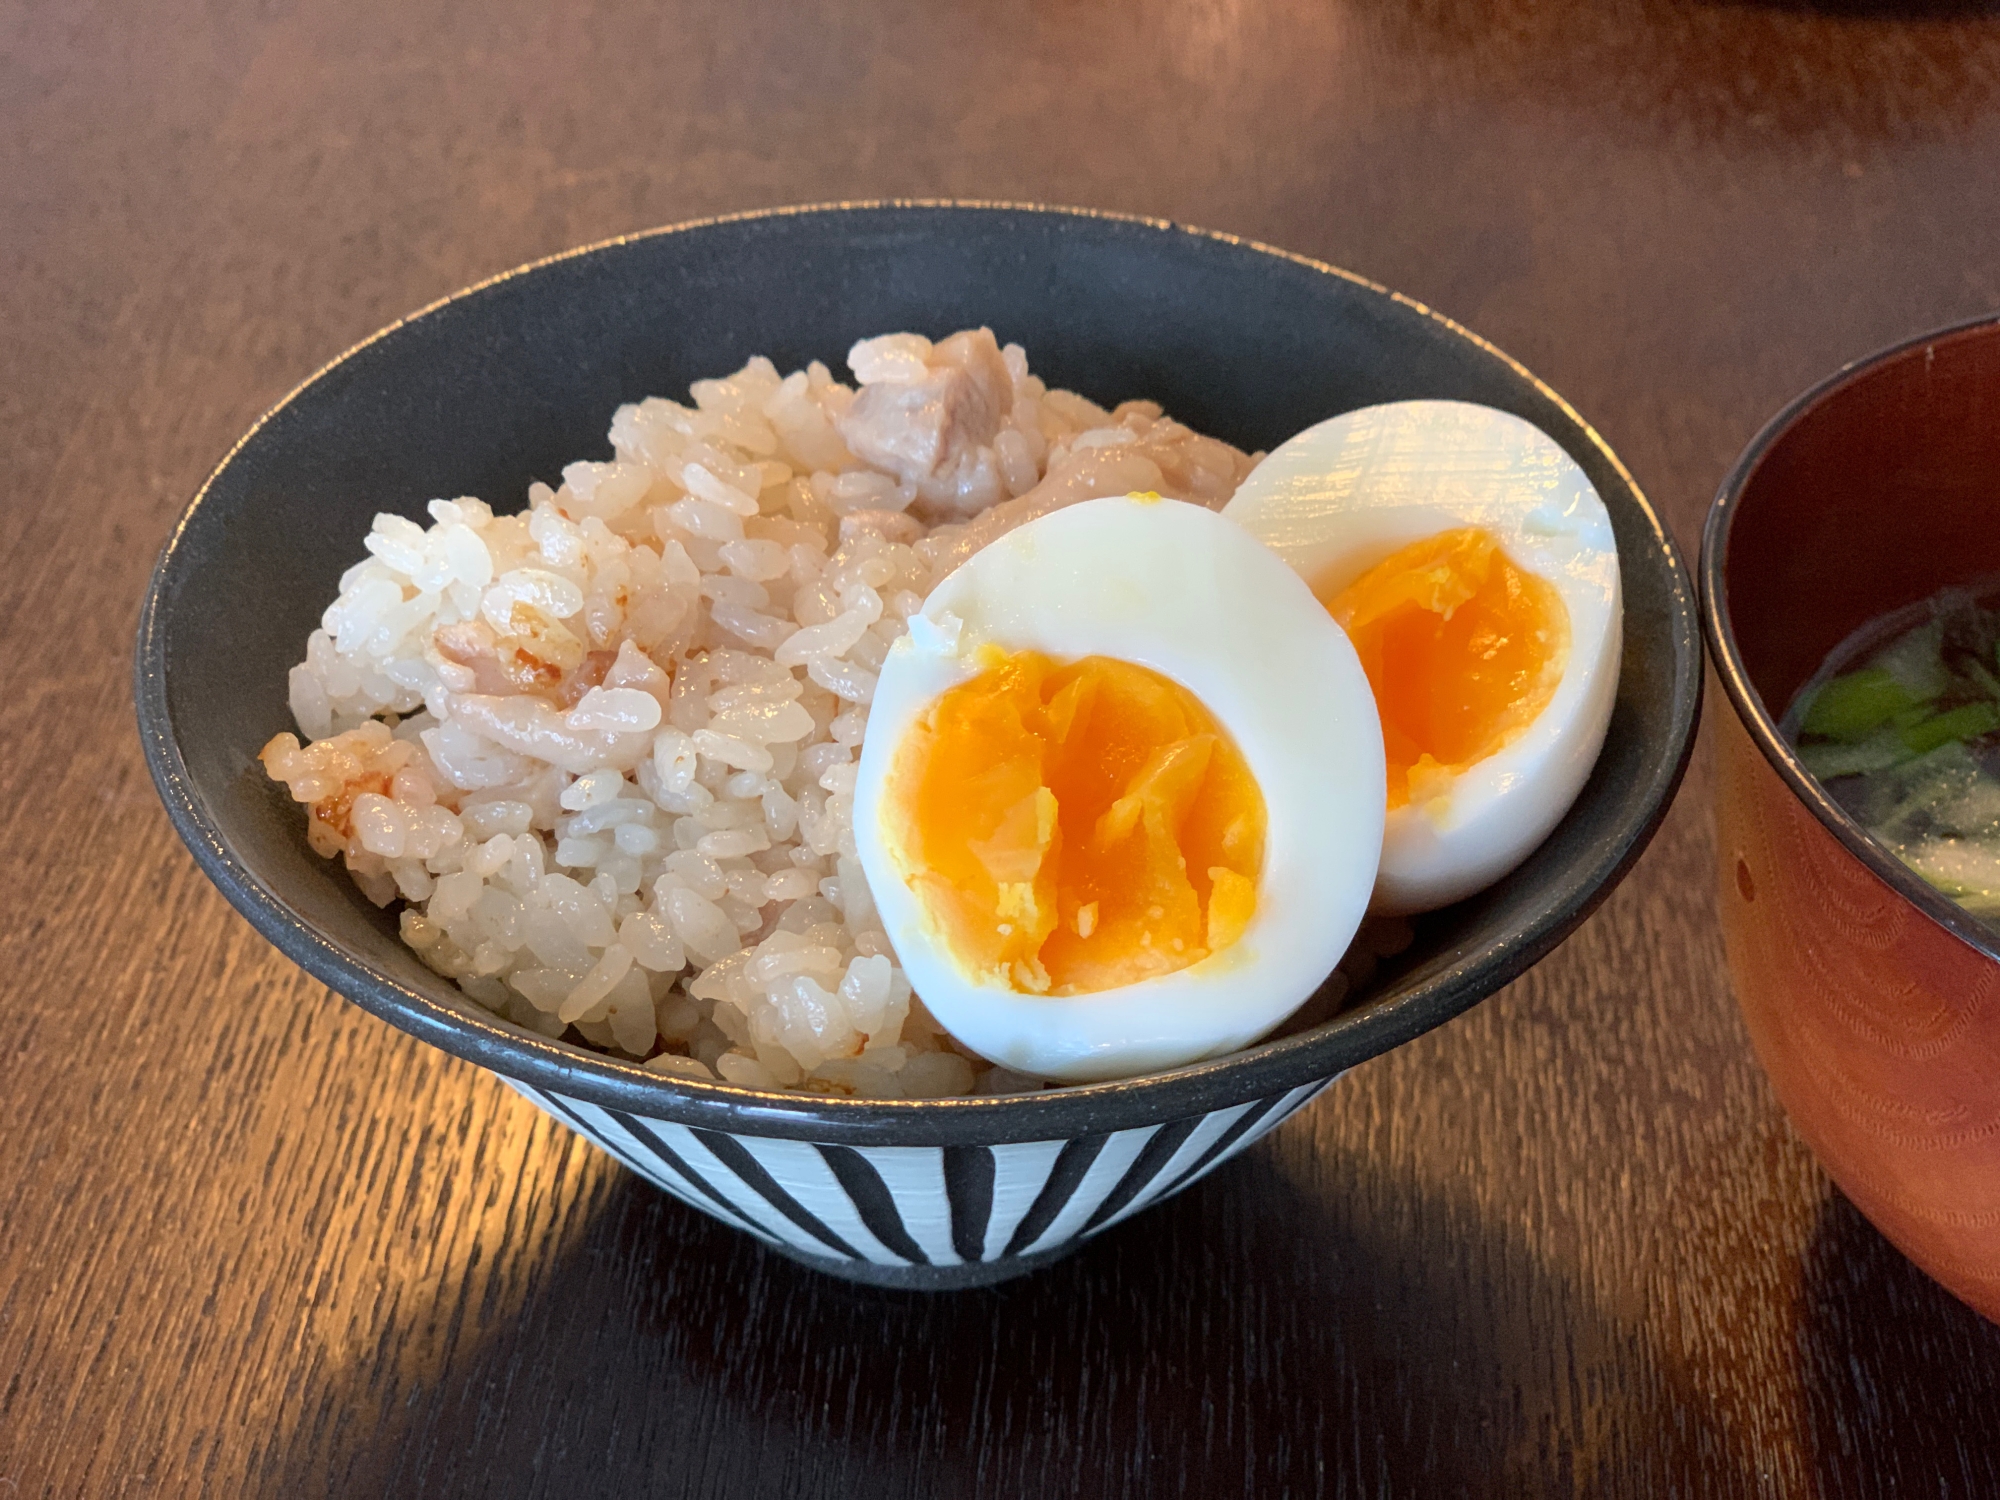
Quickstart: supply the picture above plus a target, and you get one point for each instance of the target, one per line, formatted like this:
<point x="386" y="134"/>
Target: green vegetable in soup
<point x="1880" y="751"/>
<point x="1908" y="742"/>
<point x="1968" y="721"/>
<point x="1852" y="707"/>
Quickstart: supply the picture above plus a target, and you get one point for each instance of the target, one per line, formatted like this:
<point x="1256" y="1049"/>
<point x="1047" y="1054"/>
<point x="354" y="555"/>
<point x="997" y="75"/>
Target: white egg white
<point x="1342" y="496"/>
<point x="1194" y="597"/>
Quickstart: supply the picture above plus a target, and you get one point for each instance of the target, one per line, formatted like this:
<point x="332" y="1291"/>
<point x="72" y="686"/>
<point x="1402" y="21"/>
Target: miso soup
<point x="1901" y="724"/>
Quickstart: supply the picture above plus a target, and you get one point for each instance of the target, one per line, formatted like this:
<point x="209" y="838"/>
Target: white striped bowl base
<point x="922" y="1216"/>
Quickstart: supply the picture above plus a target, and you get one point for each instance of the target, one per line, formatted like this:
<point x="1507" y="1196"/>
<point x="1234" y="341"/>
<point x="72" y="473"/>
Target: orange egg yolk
<point x="1462" y="648"/>
<point x="1075" y="828"/>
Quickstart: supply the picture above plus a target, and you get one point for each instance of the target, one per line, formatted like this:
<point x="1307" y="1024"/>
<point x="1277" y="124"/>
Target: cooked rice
<point x="603" y="750"/>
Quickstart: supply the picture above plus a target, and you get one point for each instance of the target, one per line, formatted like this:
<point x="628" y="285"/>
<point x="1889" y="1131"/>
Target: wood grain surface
<point x="253" y="1242"/>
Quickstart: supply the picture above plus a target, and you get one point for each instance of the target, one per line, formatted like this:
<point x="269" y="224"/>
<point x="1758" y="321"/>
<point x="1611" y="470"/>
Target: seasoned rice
<point x="603" y="750"/>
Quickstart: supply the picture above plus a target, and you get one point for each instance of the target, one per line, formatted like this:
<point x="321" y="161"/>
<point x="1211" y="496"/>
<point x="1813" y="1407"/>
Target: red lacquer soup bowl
<point x="1873" y="1000"/>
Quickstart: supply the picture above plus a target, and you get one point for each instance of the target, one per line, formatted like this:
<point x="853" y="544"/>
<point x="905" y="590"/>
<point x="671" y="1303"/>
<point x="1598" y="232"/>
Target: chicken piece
<point x="1192" y="467"/>
<point x="935" y="431"/>
<point x="1150" y="453"/>
<point x="1088" y="475"/>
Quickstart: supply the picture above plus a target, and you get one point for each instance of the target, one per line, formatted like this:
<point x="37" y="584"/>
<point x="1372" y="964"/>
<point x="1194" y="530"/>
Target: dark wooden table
<point x="254" y="1242"/>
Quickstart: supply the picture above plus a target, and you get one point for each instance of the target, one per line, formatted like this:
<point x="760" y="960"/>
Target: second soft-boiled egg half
<point x="1122" y="793"/>
<point x="1473" y="565"/>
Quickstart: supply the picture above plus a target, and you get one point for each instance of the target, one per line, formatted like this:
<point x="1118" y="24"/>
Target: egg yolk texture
<point x="1462" y="648"/>
<point x="1074" y="828"/>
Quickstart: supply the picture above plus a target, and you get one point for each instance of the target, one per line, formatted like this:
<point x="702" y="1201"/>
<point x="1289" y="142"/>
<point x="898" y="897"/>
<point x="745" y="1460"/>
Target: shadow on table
<point x="1900" y="1378"/>
<point x="1253" y="1336"/>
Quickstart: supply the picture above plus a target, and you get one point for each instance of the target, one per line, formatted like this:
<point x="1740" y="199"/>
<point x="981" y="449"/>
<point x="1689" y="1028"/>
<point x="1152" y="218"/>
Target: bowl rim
<point x="1719" y="632"/>
<point x="1264" y="1071"/>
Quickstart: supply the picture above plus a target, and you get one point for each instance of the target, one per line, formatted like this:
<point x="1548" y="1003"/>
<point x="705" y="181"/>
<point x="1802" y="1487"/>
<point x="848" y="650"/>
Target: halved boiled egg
<point x="1473" y="565"/>
<point x="1121" y="796"/>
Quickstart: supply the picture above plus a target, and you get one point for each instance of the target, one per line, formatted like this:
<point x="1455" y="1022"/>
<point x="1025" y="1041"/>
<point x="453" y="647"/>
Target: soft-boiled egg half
<point x="1122" y="792"/>
<point x="1473" y="565"/>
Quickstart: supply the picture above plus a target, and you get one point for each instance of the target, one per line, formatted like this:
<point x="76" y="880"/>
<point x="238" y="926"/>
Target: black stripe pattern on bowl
<point x="935" y="1216"/>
